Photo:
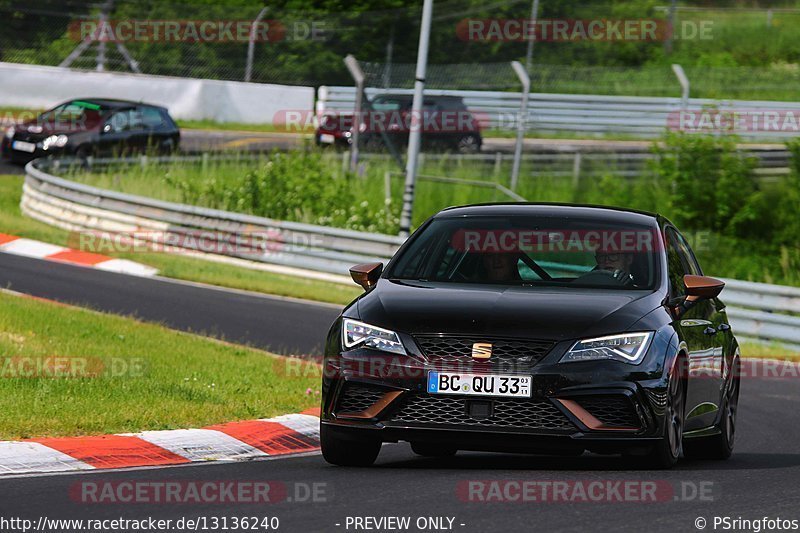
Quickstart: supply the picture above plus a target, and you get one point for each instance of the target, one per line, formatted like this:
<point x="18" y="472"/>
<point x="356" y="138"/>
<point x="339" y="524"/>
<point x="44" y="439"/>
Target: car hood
<point x="529" y="312"/>
<point x="41" y="130"/>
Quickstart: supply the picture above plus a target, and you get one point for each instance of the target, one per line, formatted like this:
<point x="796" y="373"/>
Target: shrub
<point x="711" y="185"/>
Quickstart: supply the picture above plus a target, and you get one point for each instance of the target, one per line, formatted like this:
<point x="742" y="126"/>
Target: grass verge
<point x="13" y="222"/>
<point x="137" y="376"/>
<point x="239" y="126"/>
<point x="769" y="351"/>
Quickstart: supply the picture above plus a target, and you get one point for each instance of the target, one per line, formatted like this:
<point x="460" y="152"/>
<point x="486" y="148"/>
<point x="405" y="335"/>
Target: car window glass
<point x="386" y="104"/>
<point x="530" y="250"/>
<point x="129" y="120"/>
<point x="151" y="117"/>
<point x="675" y="264"/>
<point x="117" y="122"/>
<point x="687" y="255"/>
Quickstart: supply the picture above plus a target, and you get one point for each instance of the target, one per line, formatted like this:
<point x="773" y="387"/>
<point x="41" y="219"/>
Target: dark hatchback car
<point x="91" y="126"/>
<point x="534" y="328"/>
<point x="447" y="124"/>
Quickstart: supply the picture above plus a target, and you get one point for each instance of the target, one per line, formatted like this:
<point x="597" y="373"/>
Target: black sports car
<point x="534" y="328"/>
<point x="92" y="126"/>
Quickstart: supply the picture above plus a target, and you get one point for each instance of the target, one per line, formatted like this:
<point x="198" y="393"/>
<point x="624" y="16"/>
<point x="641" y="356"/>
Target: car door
<point x="138" y="133"/>
<point x="389" y="116"/>
<point x="156" y="136"/>
<point x="697" y="326"/>
<point x="112" y="133"/>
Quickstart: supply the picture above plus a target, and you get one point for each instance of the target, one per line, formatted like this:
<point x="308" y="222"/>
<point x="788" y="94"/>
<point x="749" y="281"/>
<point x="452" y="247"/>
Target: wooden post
<point x="576" y="170"/>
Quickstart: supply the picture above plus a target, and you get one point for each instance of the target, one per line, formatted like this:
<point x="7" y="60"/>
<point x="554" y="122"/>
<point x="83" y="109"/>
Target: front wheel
<point x="347" y="451"/>
<point x="469" y="144"/>
<point x="667" y="451"/>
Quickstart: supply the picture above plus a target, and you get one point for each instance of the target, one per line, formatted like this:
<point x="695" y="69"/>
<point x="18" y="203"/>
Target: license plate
<point x="327" y="138"/>
<point x="23" y="146"/>
<point x="505" y="385"/>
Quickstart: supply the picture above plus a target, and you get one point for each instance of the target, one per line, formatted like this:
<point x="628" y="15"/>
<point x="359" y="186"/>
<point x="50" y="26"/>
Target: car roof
<point x="600" y="212"/>
<point x="113" y="103"/>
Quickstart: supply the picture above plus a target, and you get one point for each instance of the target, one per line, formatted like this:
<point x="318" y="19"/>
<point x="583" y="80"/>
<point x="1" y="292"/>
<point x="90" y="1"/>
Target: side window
<point x="386" y="104"/>
<point x="411" y="266"/>
<point x="116" y="122"/>
<point x="687" y="255"/>
<point x="129" y="120"/>
<point x="675" y="265"/>
<point x="135" y="120"/>
<point x="151" y="117"/>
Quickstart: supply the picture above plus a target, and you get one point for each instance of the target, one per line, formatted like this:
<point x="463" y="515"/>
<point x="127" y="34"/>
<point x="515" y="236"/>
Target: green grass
<point x="139" y="376"/>
<point x="175" y="266"/>
<point x="237" y="126"/>
<point x="769" y="351"/>
<point x="9" y="112"/>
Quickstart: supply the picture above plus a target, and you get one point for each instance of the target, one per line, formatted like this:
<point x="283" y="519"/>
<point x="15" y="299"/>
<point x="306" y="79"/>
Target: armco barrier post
<point x="523" y="112"/>
<point x="358" y="76"/>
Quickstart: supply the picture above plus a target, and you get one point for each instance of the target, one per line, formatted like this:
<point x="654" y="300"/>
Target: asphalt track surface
<point x="759" y="481"/>
<point x="280" y="325"/>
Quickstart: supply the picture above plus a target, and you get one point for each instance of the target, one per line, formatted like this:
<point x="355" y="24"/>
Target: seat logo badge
<point x="481" y="350"/>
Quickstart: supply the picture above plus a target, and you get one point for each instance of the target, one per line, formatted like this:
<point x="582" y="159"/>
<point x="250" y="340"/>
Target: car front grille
<point x="612" y="411"/>
<point x="518" y="413"/>
<point x="448" y="351"/>
<point x="357" y="398"/>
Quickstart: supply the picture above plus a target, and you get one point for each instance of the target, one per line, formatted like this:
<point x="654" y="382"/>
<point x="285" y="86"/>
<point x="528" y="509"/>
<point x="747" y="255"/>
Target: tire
<point x="374" y="143"/>
<point x="667" y="451"/>
<point x="83" y="154"/>
<point x="468" y="144"/>
<point x="719" y="447"/>
<point x="347" y="451"/>
<point x="426" y="449"/>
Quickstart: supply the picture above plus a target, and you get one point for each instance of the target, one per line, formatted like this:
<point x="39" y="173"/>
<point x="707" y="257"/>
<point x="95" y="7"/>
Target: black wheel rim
<point x="675" y="414"/>
<point x="467" y="144"/>
<point x="731" y="405"/>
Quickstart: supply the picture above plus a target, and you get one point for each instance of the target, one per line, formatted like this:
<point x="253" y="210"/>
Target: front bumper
<point x="601" y="406"/>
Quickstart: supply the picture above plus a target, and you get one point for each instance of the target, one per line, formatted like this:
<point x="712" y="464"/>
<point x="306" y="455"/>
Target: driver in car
<point x="618" y="264"/>
<point x="501" y="266"/>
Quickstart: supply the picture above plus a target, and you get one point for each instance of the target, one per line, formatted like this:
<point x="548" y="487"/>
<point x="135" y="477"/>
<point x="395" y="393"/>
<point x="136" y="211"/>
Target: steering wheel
<point x="602" y="277"/>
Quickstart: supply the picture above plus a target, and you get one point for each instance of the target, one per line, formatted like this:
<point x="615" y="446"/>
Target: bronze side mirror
<point x="367" y="274"/>
<point x="701" y="287"/>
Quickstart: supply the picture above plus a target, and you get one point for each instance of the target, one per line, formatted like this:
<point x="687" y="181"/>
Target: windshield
<point x="532" y="251"/>
<point x="73" y="115"/>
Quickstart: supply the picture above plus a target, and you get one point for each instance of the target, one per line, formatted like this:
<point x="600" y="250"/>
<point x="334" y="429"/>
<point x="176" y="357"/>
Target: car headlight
<point x="355" y="333"/>
<point x="58" y="141"/>
<point x="10" y="132"/>
<point x="626" y="348"/>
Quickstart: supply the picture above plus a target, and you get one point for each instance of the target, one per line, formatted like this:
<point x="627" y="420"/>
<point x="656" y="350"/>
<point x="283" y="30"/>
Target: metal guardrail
<point x="79" y="207"/>
<point x="639" y="116"/>
<point x="757" y="311"/>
